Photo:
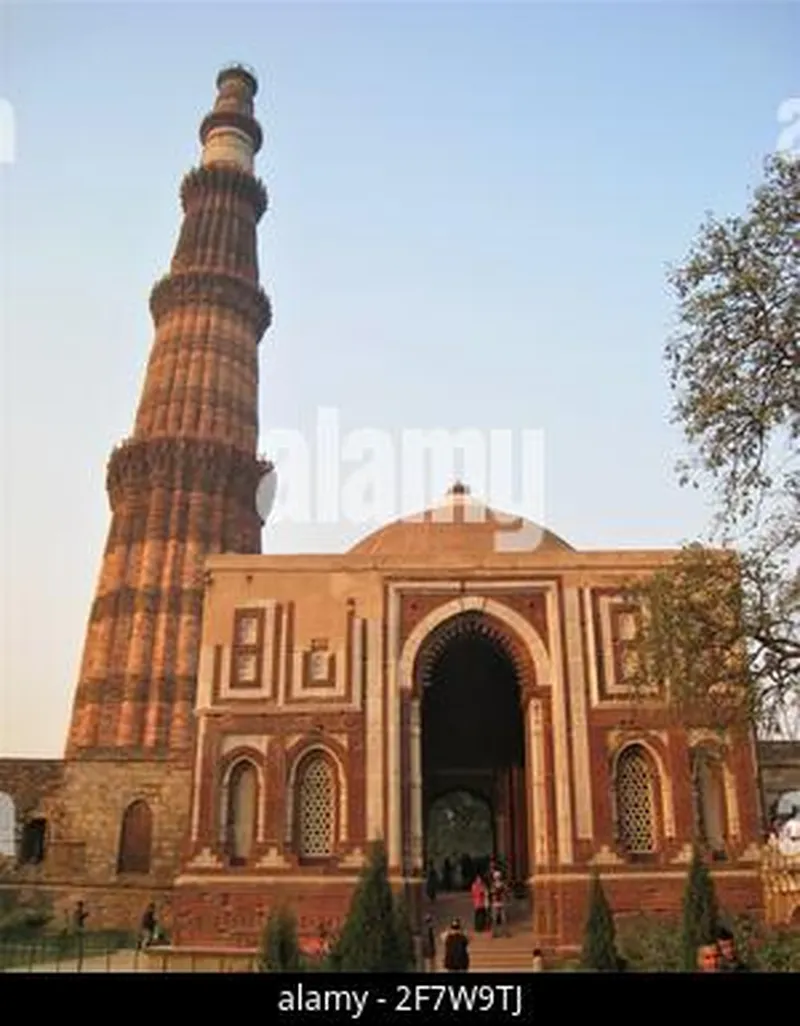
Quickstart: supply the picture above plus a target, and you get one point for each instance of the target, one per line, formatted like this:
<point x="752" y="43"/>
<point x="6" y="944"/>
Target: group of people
<point x="149" y="931"/>
<point x="489" y="896"/>
<point x="455" y="875"/>
<point x="489" y="890"/>
<point x="720" y="955"/>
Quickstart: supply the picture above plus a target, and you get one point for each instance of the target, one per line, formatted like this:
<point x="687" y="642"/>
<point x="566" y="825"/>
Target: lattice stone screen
<point x="635" y="813"/>
<point x="317" y="809"/>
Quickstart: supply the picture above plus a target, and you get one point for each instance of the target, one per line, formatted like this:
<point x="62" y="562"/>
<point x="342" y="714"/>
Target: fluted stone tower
<point x="184" y="484"/>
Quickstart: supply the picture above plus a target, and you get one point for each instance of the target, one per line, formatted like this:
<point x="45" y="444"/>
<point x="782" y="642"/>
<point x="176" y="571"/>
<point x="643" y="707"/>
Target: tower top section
<point x="230" y="133"/>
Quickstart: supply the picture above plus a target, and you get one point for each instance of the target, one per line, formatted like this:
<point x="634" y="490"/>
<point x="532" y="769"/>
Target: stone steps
<point x="512" y="951"/>
<point x="505" y="953"/>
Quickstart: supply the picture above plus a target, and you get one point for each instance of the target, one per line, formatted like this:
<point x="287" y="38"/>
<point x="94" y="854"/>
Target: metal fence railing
<point x="104" y="953"/>
<point x="68" y="953"/>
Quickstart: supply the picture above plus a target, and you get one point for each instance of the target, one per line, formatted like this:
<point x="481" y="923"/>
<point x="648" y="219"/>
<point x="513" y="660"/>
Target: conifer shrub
<point x="599" y="953"/>
<point x="280" y="950"/>
<point x="701" y="917"/>
<point x="376" y="936"/>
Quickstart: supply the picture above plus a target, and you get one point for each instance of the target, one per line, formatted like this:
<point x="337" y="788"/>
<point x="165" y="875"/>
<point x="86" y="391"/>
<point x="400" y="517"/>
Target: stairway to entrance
<point x="510" y="952"/>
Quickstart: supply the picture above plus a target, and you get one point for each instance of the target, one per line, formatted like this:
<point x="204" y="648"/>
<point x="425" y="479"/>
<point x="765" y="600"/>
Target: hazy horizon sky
<point x="472" y="209"/>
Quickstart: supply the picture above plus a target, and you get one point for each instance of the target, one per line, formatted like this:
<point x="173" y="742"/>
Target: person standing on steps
<point x="456" y="949"/>
<point x="497" y="887"/>
<point x="479" y="903"/>
<point x="537" y="964"/>
<point x="429" y="946"/>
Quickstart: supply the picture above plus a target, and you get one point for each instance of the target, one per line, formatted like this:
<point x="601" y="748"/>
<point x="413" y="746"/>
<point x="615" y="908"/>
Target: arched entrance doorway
<point x="473" y="740"/>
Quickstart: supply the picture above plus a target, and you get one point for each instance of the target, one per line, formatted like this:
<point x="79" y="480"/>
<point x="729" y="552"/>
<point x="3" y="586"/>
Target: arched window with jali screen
<point x="135" y="839"/>
<point x="316" y="807"/>
<point x="635" y="801"/>
<point x="8" y="826"/>
<point x="242" y="810"/>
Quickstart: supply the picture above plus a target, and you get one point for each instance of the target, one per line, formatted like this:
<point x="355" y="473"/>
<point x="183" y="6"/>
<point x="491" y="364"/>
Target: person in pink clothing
<point x="480" y="902"/>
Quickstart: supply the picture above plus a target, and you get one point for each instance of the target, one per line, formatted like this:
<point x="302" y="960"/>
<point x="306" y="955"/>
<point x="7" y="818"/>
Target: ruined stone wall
<point x="83" y="805"/>
<point x="29" y="781"/>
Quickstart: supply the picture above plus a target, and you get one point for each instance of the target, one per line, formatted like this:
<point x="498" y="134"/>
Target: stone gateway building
<point x="342" y="698"/>
<point x="244" y="725"/>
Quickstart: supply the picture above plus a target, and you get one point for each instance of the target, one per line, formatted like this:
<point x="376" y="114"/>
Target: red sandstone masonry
<point x="184" y="485"/>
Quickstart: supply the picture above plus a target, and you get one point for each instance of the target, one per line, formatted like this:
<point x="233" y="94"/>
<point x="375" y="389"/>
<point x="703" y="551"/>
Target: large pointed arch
<point x="527" y="648"/>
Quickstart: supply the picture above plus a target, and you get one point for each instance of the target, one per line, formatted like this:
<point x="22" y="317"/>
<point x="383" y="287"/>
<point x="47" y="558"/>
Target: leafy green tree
<point x="599" y="946"/>
<point x="733" y="364"/>
<point x="701" y="917"/>
<point x="370" y="941"/>
<point x="733" y="360"/>
<point x="280" y="950"/>
<point x="688" y="645"/>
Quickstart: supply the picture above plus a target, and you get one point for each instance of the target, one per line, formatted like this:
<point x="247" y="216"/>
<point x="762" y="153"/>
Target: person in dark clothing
<point x="729" y="961"/>
<point x="79" y="917"/>
<point x="148" y="927"/>
<point x="429" y="946"/>
<point x="447" y="875"/>
<point x="456" y="949"/>
<point x="432" y="882"/>
<point x="467" y="872"/>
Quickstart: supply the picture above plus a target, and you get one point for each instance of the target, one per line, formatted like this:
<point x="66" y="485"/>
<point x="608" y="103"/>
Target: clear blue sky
<point x="472" y="211"/>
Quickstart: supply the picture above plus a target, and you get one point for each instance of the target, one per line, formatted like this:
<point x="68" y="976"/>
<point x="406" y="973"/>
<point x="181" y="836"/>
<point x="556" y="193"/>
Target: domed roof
<point x="459" y="526"/>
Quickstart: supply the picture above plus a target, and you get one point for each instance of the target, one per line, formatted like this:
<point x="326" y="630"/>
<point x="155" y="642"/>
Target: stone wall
<point x="233" y="915"/>
<point x="29" y="781"/>
<point x="561" y="907"/>
<point x="83" y="805"/>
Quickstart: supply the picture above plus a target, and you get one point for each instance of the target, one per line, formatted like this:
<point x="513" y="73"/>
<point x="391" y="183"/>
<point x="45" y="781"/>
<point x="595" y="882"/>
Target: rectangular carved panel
<point x="611" y="628"/>
<point x="248" y="648"/>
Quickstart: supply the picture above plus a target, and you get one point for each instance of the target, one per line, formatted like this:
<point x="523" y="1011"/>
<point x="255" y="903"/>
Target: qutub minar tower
<point x="184" y="484"/>
<point x="107" y="824"/>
